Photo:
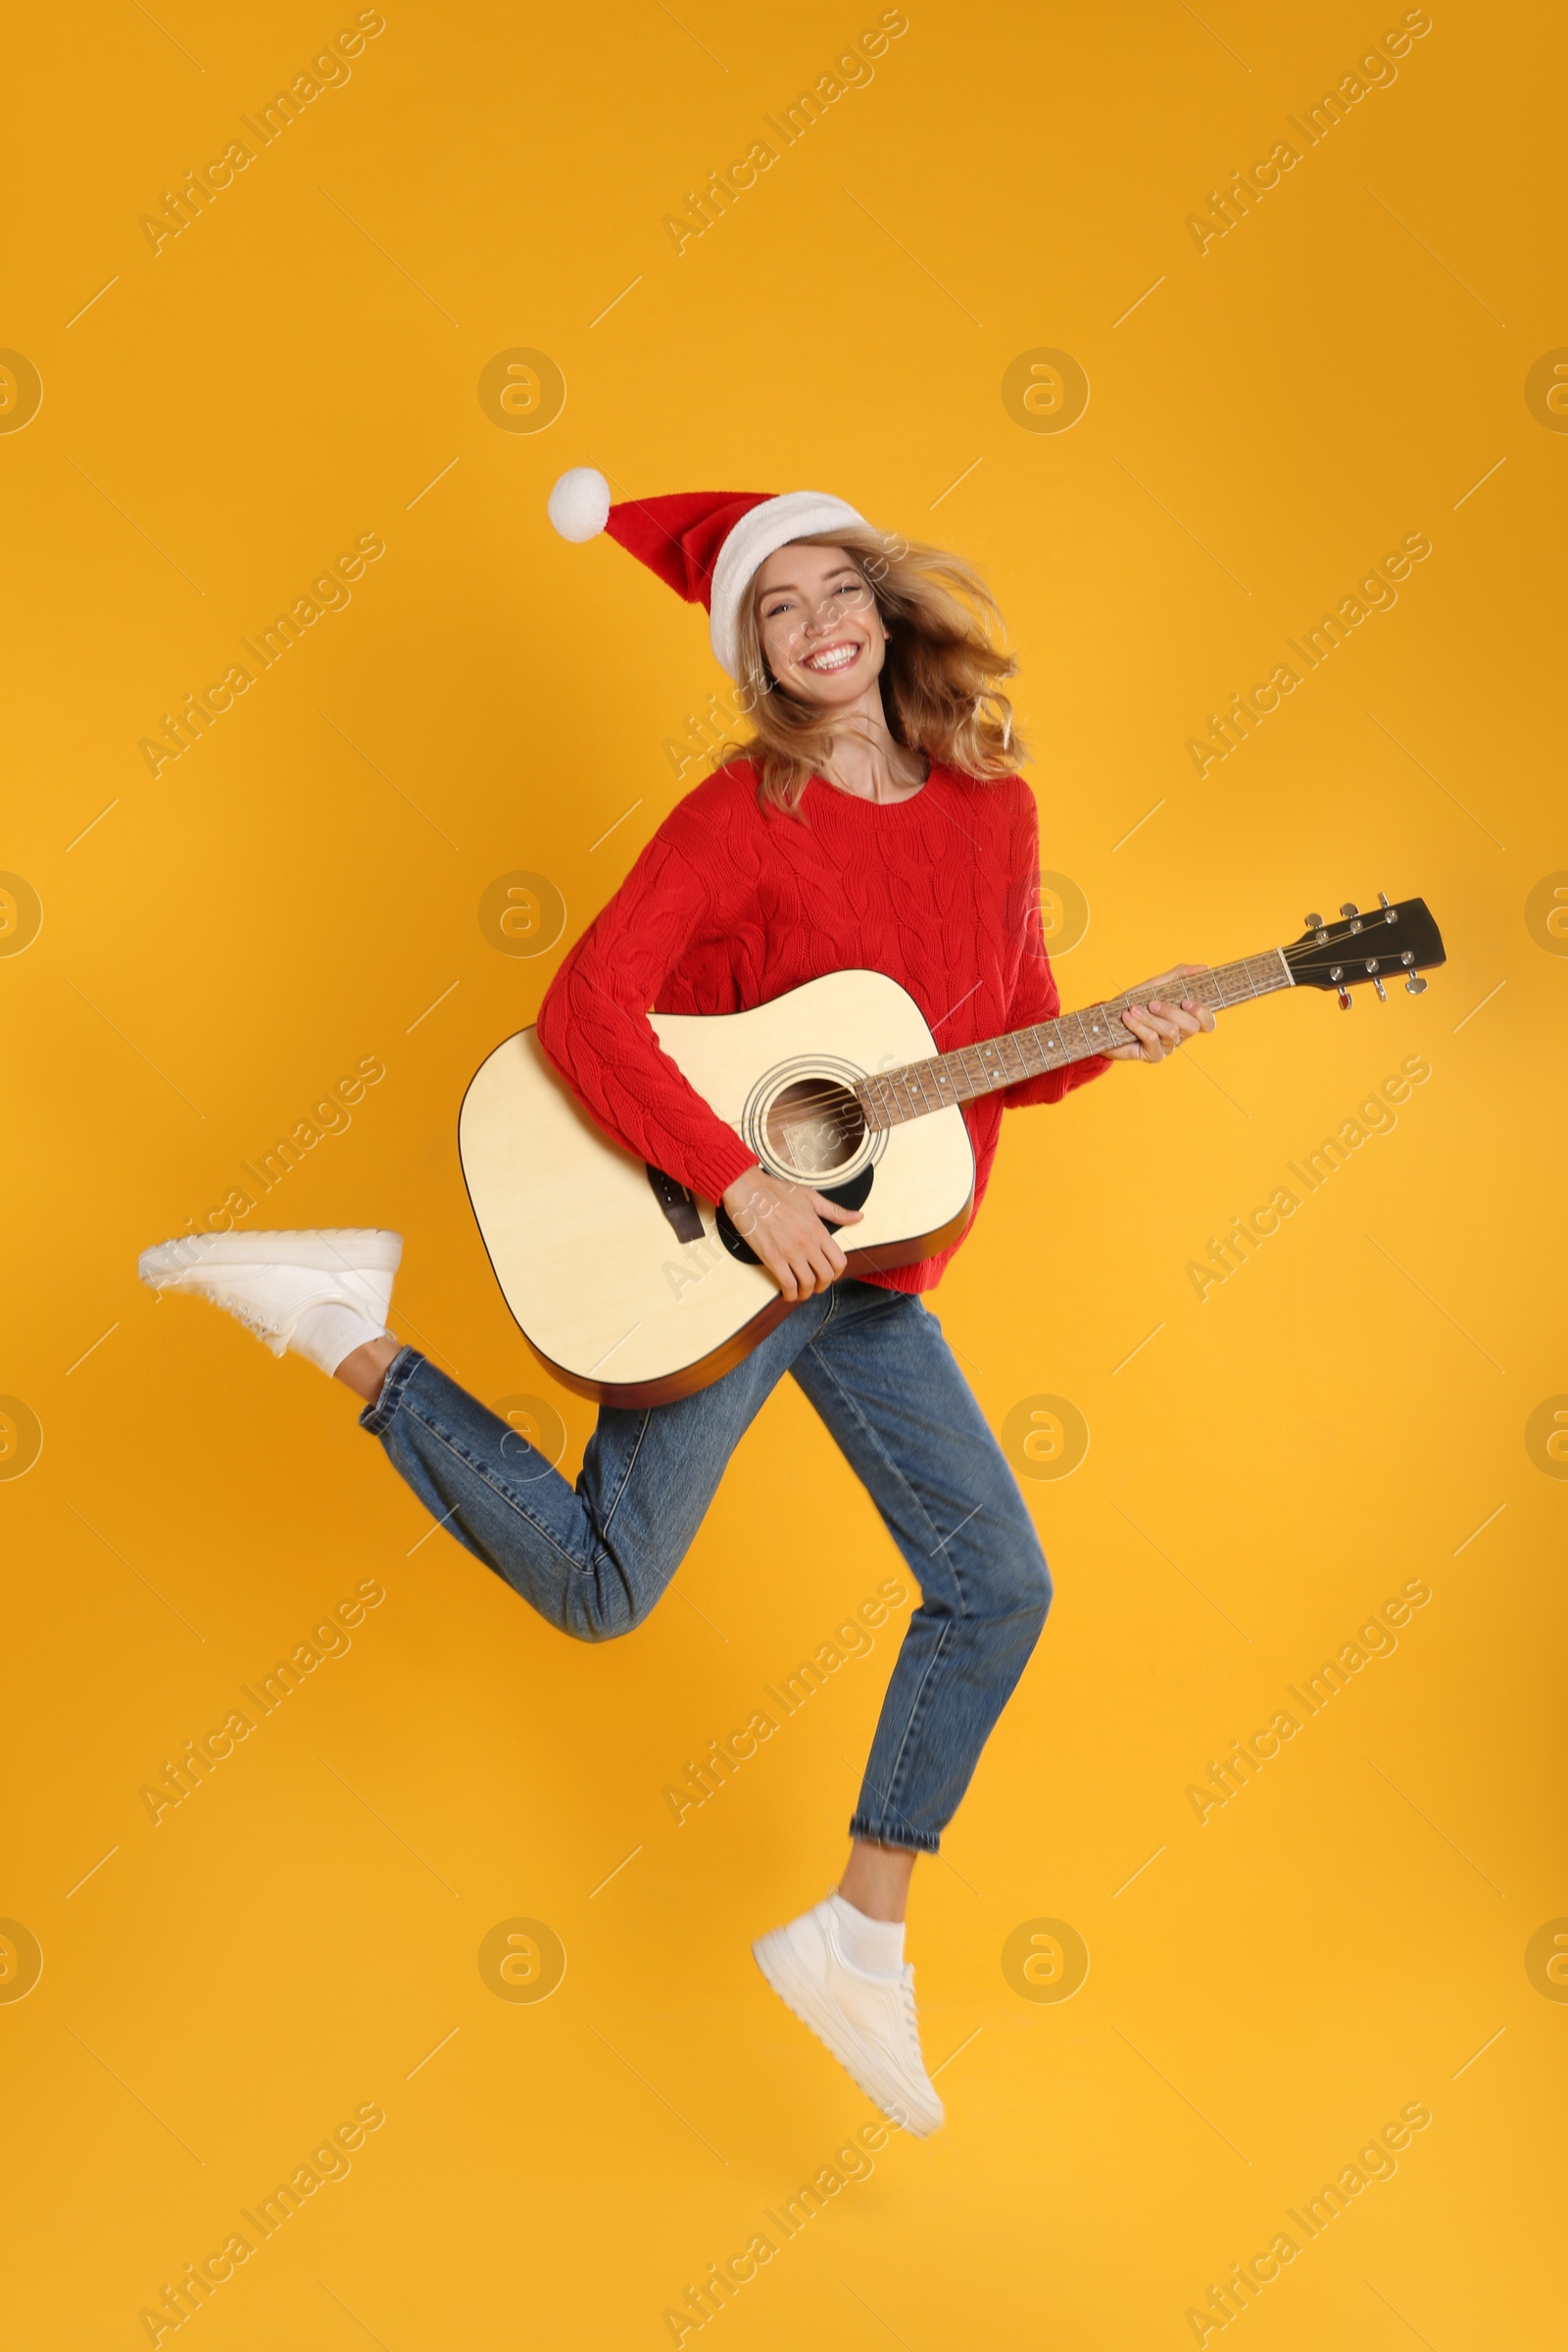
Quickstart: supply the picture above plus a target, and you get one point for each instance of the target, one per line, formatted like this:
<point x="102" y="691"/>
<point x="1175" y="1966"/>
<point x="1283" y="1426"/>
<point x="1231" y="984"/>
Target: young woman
<point x="875" y="818"/>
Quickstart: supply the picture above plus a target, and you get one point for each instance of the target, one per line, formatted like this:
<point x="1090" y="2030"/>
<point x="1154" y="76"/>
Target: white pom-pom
<point x="579" y="503"/>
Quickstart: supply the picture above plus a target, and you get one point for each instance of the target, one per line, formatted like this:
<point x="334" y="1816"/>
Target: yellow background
<point x="230" y="938"/>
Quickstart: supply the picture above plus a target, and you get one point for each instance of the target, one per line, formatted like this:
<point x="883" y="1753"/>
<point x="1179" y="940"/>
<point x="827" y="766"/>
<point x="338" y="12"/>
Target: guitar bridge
<point x="679" y="1204"/>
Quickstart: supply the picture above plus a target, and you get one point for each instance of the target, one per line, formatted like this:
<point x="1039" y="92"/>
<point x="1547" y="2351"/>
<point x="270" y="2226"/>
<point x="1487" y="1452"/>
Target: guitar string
<point x="1116" y="1004"/>
<point x="845" y="1123"/>
<point x="848" y="1125"/>
<point x="852" y="1126"/>
<point x="853" y="1130"/>
<point x="830" y="1094"/>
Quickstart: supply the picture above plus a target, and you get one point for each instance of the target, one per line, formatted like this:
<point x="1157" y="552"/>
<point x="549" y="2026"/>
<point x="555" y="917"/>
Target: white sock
<point x="874" y="1945"/>
<point x="325" y="1334"/>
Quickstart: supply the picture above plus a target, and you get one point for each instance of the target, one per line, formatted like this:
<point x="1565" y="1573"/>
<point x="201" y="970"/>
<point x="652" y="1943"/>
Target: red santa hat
<point x="707" y="545"/>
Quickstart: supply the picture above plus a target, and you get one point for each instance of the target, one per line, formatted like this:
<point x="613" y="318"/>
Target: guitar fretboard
<point x="890" y="1097"/>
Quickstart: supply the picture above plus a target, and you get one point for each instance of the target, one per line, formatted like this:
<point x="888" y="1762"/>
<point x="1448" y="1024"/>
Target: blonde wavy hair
<point x="943" y="674"/>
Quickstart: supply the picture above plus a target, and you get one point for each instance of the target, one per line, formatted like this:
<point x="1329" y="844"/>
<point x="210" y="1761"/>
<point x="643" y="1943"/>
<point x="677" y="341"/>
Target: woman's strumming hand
<point x="788" y="1226"/>
<point x="1166" y="1020"/>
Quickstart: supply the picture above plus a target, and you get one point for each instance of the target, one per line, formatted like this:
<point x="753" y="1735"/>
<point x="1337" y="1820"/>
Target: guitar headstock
<point x="1384" y="943"/>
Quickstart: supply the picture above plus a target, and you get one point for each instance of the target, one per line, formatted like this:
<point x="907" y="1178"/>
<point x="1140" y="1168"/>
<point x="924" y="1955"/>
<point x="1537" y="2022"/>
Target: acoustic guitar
<point x="631" y="1289"/>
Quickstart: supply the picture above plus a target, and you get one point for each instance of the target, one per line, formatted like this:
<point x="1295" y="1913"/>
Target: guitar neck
<point x="890" y="1097"/>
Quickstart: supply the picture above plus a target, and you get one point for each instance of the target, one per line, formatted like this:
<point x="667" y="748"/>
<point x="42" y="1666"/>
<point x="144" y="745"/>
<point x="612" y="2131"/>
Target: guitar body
<point x="626" y="1286"/>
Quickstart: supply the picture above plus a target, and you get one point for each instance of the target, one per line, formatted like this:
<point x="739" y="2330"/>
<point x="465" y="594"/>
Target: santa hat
<point x="707" y="545"/>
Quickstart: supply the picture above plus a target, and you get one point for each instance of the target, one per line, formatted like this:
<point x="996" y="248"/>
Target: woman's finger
<point x="783" y="1273"/>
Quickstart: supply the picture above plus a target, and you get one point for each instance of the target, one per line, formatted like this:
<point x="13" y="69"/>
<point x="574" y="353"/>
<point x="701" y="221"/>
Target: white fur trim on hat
<point x="579" y="503"/>
<point x="798" y="515"/>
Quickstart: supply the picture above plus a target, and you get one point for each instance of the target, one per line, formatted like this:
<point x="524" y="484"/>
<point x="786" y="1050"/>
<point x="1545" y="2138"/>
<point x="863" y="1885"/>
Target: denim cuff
<point x="913" y="1842"/>
<point x="400" y="1371"/>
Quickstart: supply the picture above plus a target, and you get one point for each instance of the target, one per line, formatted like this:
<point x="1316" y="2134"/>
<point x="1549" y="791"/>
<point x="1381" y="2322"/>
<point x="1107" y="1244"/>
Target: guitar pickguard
<point x="853" y="1194"/>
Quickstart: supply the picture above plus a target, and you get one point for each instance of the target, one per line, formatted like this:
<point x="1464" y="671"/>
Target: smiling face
<point x="821" y="634"/>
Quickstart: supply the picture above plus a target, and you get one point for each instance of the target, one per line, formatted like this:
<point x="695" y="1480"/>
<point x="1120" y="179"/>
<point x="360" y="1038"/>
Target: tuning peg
<point x="1382" y="994"/>
<point x="1383" y="898"/>
<point x="1349" y="907"/>
<point x="1345" y="998"/>
<point x="1315" y="923"/>
<point x="1416" y="985"/>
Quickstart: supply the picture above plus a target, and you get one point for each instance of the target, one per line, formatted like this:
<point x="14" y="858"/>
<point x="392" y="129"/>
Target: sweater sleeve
<point x="594" y="1027"/>
<point x="1035" y="996"/>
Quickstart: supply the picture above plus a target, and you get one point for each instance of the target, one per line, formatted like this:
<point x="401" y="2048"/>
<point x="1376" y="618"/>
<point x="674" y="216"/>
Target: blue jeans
<point x="592" y="1559"/>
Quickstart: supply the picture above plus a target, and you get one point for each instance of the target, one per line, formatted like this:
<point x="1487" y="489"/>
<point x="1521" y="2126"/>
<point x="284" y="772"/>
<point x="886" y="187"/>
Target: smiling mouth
<point x="832" y="657"/>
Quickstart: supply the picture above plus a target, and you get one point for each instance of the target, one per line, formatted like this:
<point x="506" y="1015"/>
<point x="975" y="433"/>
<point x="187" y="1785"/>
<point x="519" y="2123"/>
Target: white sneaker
<point x="868" y="2022"/>
<point x="267" y="1281"/>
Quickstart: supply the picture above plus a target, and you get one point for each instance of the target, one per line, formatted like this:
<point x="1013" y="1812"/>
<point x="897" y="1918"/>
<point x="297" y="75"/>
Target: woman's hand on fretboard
<point x="1165" y="1021"/>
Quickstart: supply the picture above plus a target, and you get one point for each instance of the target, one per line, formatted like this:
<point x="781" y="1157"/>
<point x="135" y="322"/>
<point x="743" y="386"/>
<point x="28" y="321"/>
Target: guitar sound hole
<point x="813" y="1127"/>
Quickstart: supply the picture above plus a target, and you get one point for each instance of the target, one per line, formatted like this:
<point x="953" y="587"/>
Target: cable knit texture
<point x="728" y="908"/>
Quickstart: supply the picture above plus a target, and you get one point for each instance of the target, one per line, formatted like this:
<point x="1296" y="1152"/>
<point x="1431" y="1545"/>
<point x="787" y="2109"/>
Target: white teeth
<point x="839" y="659"/>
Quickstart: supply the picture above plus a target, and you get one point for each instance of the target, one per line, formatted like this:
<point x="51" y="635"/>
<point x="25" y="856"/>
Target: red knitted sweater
<point x="729" y="906"/>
